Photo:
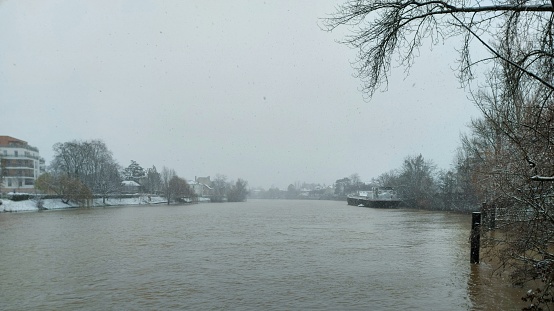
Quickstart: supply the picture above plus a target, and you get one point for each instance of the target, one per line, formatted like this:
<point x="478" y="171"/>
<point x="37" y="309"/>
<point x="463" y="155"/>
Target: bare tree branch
<point x="383" y="28"/>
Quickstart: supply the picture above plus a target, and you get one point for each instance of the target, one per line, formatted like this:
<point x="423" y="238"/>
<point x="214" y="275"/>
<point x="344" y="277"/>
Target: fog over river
<point x="256" y="255"/>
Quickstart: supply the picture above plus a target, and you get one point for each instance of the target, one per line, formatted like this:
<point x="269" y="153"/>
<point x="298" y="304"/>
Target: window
<point x="9" y="182"/>
<point x="15" y="153"/>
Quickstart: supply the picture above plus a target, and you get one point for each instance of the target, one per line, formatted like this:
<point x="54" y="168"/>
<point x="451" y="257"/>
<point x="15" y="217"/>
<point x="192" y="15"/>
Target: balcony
<point x="15" y="164"/>
<point x="19" y="156"/>
<point x="21" y="146"/>
<point x="19" y="168"/>
<point x="19" y="173"/>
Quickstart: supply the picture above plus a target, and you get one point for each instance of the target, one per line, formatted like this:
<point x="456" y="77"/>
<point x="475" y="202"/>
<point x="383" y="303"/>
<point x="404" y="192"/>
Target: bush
<point x="19" y="197"/>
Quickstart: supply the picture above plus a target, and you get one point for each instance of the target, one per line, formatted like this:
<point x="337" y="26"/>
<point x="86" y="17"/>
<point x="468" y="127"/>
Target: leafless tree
<point x="166" y="176"/>
<point x="383" y="30"/>
<point x="356" y="181"/>
<point x="220" y="187"/>
<point x="512" y="156"/>
<point x="152" y="183"/>
<point x="238" y="191"/>
<point x="109" y="181"/>
<point x="69" y="189"/>
<point x="179" y="188"/>
<point x="417" y="182"/>
<point x="91" y="162"/>
<point x="388" y="179"/>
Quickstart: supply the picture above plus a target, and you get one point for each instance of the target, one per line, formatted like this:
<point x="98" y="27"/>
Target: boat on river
<point x="377" y="197"/>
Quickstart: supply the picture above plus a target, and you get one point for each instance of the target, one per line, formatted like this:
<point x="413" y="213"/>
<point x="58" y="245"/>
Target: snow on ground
<point x="50" y="204"/>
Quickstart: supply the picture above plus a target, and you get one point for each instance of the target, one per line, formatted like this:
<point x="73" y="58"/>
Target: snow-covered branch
<point x="542" y="178"/>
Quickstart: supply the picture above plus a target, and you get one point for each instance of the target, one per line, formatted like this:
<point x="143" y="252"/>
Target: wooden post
<point x="475" y="236"/>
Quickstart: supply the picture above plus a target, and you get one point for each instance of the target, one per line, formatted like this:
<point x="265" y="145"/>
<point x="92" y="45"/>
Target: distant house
<point x="202" y="187"/>
<point x="20" y="165"/>
<point x="129" y="186"/>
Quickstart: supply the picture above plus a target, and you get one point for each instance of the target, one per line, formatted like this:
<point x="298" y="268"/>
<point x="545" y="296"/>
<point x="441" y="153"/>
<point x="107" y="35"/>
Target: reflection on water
<point x="258" y="255"/>
<point x="491" y="291"/>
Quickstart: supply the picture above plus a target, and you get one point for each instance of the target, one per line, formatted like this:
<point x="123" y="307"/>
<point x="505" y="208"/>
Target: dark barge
<point x="383" y="197"/>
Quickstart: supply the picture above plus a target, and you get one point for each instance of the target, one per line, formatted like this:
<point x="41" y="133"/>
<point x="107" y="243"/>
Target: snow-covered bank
<point x="51" y="204"/>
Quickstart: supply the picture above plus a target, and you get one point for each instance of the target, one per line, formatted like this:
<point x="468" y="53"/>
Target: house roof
<point x="194" y="183"/>
<point x="204" y="180"/>
<point x="8" y="141"/>
<point x="130" y="183"/>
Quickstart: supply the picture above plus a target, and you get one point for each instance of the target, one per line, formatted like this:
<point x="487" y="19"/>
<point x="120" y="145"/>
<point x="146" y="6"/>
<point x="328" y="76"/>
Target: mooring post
<point x="475" y="236"/>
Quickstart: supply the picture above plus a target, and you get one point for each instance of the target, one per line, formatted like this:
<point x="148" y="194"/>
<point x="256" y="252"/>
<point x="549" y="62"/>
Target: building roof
<point x="204" y="180"/>
<point x="10" y="141"/>
<point x="130" y="183"/>
<point x="195" y="183"/>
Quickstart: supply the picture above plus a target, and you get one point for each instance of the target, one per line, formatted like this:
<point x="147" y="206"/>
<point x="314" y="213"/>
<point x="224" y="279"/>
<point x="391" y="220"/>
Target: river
<point x="256" y="255"/>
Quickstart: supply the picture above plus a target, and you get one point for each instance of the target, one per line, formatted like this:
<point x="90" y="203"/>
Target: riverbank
<point x="32" y="205"/>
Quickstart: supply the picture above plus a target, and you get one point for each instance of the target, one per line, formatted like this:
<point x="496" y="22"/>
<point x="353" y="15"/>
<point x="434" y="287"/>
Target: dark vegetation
<point x="507" y="160"/>
<point x="83" y="170"/>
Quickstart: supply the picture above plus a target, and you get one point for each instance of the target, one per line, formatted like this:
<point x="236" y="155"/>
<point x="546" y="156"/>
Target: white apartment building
<point x="20" y="165"/>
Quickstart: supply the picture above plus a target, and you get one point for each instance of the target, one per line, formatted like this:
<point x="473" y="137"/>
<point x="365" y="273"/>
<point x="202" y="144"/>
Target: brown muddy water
<point x="257" y="255"/>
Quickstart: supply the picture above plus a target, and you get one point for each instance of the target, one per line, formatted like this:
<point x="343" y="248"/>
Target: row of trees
<point x="173" y="187"/>
<point x="421" y="185"/>
<point x="507" y="160"/>
<point x="81" y="170"/>
<point x="230" y="191"/>
<point x="296" y="191"/>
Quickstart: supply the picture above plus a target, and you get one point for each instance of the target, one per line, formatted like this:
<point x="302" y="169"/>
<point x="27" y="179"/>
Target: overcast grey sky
<point x="248" y="89"/>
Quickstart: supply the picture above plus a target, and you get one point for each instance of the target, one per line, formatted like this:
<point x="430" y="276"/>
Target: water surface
<point x="257" y="255"/>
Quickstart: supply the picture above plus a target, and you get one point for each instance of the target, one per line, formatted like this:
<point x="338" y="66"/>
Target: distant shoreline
<point x="32" y="205"/>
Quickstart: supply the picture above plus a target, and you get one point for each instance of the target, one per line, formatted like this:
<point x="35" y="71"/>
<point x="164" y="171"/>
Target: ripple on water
<point x="258" y="255"/>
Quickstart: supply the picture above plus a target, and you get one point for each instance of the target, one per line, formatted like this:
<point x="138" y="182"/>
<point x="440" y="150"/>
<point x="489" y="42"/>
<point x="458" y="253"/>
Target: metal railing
<point x="21" y="146"/>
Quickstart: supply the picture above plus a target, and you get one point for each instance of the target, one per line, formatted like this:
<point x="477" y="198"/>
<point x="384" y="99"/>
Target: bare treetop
<point x="383" y="29"/>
